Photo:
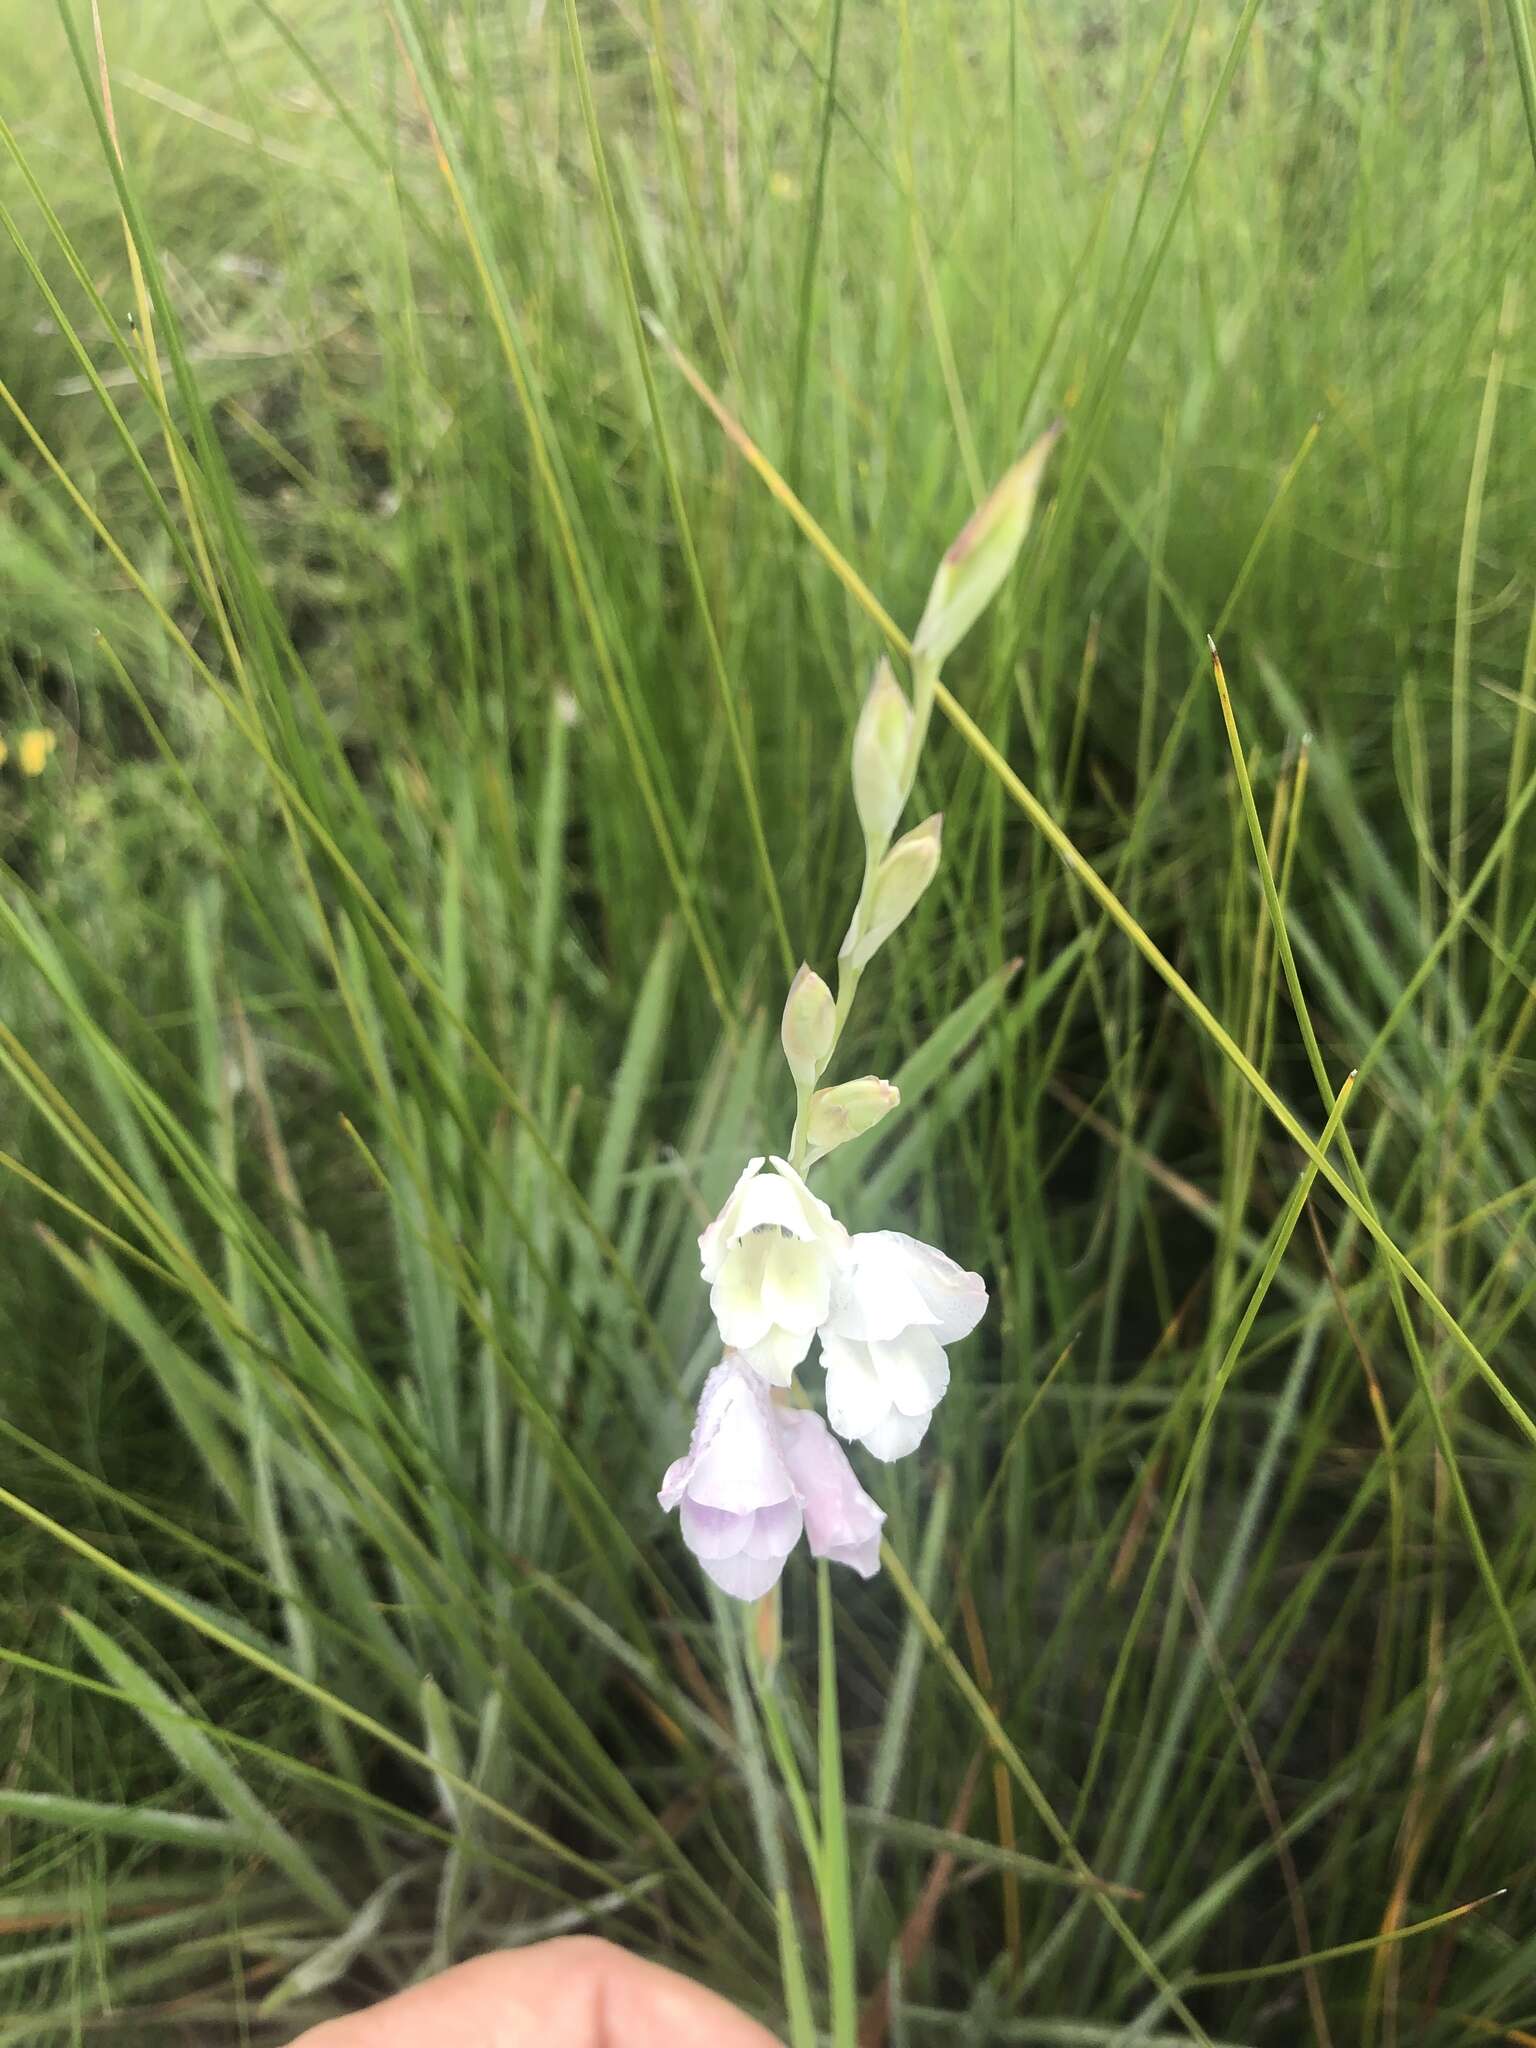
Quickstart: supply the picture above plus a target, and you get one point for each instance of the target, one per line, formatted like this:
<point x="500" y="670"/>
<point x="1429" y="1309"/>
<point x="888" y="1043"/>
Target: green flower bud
<point x="880" y="743"/>
<point x="900" y="881"/>
<point x="809" y="1027"/>
<point x="980" y="556"/>
<point x="847" y="1111"/>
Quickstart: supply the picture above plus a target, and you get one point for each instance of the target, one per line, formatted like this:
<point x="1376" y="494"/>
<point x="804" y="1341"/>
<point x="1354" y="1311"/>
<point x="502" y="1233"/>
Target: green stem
<point x="798" y="1142"/>
<point x="833" y="1880"/>
<point x="925" y="684"/>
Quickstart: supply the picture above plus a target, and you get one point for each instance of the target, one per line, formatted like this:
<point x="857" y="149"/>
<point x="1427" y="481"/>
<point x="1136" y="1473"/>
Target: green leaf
<point x="201" y="1758"/>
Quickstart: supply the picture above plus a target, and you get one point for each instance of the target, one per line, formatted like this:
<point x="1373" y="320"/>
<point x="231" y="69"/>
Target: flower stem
<point x="925" y="683"/>
<point x="834" y="1885"/>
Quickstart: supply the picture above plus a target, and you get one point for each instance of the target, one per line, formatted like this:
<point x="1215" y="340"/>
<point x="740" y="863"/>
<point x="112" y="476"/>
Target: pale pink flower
<point x="758" y="1471"/>
<point x="740" y="1506"/>
<point x="842" y="1523"/>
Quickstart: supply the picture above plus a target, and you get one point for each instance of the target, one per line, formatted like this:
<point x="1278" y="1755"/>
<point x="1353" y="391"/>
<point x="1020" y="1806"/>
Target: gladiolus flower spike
<point x="783" y="1273"/>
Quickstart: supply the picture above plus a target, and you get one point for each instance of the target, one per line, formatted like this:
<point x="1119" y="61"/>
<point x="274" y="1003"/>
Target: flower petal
<point x="744" y="1578"/>
<point x="714" y="1532"/>
<point x="736" y="1297"/>
<point x="734" y="1461"/>
<point x="956" y="1300"/>
<point x="740" y="1508"/>
<point x="775" y="1531"/>
<point x="772" y="1203"/>
<point x="897" y="1436"/>
<point x="796" y="1284"/>
<point x="841" y="1521"/>
<point x="818" y="1217"/>
<point x="856" y="1397"/>
<point x="779" y="1200"/>
<point x="890" y="1282"/>
<point x="875" y="1297"/>
<point x="673" y="1483"/>
<point x="913" y="1371"/>
<point x="776" y="1354"/>
<point x="717" y="1239"/>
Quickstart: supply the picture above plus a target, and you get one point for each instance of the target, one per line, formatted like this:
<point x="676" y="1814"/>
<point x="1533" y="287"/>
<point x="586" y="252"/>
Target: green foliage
<point x="454" y="715"/>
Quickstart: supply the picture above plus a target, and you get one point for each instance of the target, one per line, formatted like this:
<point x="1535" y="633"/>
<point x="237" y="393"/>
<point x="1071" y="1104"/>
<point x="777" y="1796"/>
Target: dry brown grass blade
<point x="1136" y="1527"/>
<point x="1002" y="1784"/>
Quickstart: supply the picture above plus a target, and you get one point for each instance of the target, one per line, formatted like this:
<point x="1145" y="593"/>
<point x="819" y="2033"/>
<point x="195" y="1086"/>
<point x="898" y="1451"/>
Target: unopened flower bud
<point x="846" y="1111"/>
<point x="900" y="881"/>
<point x="809" y="1027"/>
<point x="981" y="555"/>
<point x="880" y="743"/>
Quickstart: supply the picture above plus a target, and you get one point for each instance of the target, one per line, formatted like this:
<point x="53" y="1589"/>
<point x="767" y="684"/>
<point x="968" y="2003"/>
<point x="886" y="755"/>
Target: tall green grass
<point x="452" y="712"/>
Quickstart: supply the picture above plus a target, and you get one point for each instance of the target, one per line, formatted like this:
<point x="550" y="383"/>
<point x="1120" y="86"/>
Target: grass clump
<point x="451" y="728"/>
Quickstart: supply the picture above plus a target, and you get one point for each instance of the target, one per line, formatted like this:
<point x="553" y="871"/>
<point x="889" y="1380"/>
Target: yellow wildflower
<point x="33" y="748"/>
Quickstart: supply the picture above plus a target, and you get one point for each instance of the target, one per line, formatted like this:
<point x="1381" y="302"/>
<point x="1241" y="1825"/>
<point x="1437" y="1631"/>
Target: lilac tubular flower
<point x="842" y="1523"/>
<point x="755" y="1474"/>
<point x="740" y="1507"/>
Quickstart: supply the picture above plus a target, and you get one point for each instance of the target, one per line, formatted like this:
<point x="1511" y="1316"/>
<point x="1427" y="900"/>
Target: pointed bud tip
<point x="808" y="1026"/>
<point x="848" y="1111"/>
<point x="881" y="770"/>
<point x="974" y="565"/>
<point x="1017" y="484"/>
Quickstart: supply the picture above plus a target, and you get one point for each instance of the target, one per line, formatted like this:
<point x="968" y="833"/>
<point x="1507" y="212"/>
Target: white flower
<point x="897" y="1303"/>
<point x="842" y="1523"/>
<point x="741" y="1514"/>
<point x="770" y="1257"/>
<point x="883" y="1395"/>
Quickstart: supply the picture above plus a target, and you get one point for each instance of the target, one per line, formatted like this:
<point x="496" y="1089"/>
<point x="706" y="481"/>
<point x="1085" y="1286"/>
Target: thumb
<point x="573" y="1993"/>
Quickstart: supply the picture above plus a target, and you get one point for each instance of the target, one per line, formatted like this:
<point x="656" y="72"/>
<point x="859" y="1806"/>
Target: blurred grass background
<point x="390" y="966"/>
